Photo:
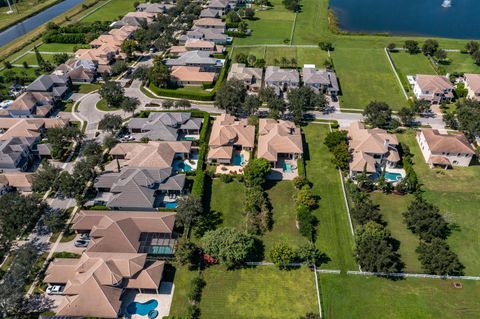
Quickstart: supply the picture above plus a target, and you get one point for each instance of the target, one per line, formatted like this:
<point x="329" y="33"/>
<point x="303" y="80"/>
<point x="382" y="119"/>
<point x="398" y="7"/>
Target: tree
<point x="325" y="46"/>
<point x="378" y="114"/>
<point x="251" y="59"/>
<point x="109" y="141"/>
<point x="183" y="104"/>
<point x="233" y="16"/>
<point x="424" y="219"/>
<point x="91" y="148"/>
<point x="230" y="96"/>
<point x="112" y="93"/>
<point x="119" y="67"/>
<point x="241" y="58"/>
<point x="141" y="73"/>
<point x="374" y="250"/>
<point x="159" y="75"/>
<point x="281" y="254"/>
<point x="406" y="115"/>
<point x="54" y="220"/>
<point x="267" y="94"/>
<point x="365" y="211"/>
<point x="257" y="210"/>
<point x="130" y="104"/>
<point x="334" y="138"/>
<point x="305" y="197"/>
<point x="189" y="212"/>
<point x="230" y="246"/>
<point x="303" y="99"/>
<point x="472" y="47"/>
<point x="167" y="105"/>
<point x="476" y="57"/>
<point x="129" y="47"/>
<point x="110" y="122"/>
<point x="256" y="171"/>
<point x="430" y="47"/>
<point x="391" y="47"/>
<point x="251" y="105"/>
<point x="420" y="106"/>
<point x="306" y="222"/>
<point x="468" y="117"/>
<point x="42" y="64"/>
<point x="243" y="26"/>
<point x="45" y="177"/>
<point x="411" y="46"/>
<point x="310" y="255"/>
<point x="450" y="120"/>
<point x="260" y="63"/>
<point x="341" y="156"/>
<point x="283" y="61"/>
<point x="60" y="58"/>
<point x="437" y="258"/>
<point x="186" y="252"/>
<point x="440" y="54"/>
<point x="300" y="181"/>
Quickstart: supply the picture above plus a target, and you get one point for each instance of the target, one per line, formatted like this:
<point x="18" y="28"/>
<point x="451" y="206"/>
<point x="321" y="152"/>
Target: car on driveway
<point x="85" y="236"/>
<point x="81" y="243"/>
<point x="55" y="289"/>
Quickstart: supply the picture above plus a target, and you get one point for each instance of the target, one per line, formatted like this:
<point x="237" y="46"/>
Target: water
<point x="31" y="23"/>
<point x="238" y="159"/>
<point x="169" y="205"/>
<point x="142" y="309"/>
<point x="161" y="250"/>
<point x="412" y="17"/>
<point x="181" y="166"/>
<point x="393" y="177"/>
<point x="287" y="168"/>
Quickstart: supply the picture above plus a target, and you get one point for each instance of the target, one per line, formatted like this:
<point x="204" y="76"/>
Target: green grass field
<point x="311" y="24"/>
<point x="461" y="62"/>
<point x="378" y="298"/>
<point x="262" y="292"/>
<point x="302" y="55"/>
<point x="31" y="58"/>
<point x="111" y="11"/>
<point x="365" y="75"/>
<point x="457" y="194"/>
<point x="57" y="47"/>
<point x="272" y="26"/>
<point x="411" y="64"/>
<point x="333" y="232"/>
<point x="22" y="9"/>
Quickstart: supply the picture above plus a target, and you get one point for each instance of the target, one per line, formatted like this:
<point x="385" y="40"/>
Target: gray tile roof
<point x="13" y="150"/>
<point x="210" y="13"/>
<point x="193" y="58"/>
<point x="275" y="74"/>
<point x="312" y="76"/>
<point x="57" y="84"/>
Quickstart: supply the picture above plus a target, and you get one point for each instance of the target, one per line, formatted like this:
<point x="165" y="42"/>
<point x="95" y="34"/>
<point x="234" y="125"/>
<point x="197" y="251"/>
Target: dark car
<point x="81" y="243"/>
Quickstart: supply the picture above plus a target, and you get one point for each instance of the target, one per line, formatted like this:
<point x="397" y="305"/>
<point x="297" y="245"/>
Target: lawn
<point x="114" y="10"/>
<point x="461" y="62"/>
<point x="392" y="207"/>
<point x="31" y="58"/>
<point x="333" y="232"/>
<point x="22" y="10"/>
<point x="86" y="88"/>
<point x="311" y="24"/>
<point x="57" y="47"/>
<point x="102" y="106"/>
<point x="365" y="75"/>
<point x="272" y="26"/>
<point x="302" y="55"/>
<point x="411" y="64"/>
<point x="457" y="194"/>
<point x="378" y="298"/>
<point x="261" y="292"/>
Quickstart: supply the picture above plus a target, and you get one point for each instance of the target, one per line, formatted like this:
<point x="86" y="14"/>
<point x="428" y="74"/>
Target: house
<point x="149" y="17"/>
<point x="210" y="13"/>
<point x="432" y="88"/>
<point x="472" y="84"/>
<point x="28" y="127"/>
<point x="16" y="153"/>
<point x="281" y="80"/>
<point x="320" y="80"/>
<point x="444" y="150"/>
<point x="372" y="149"/>
<point x="155" y="7"/>
<point x="124" y="32"/>
<point x="191" y="76"/>
<point x="199" y="59"/>
<point x="102" y="57"/>
<point x="30" y="104"/>
<point x="79" y="71"/>
<point x="138" y="188"/>
<point x="114" y="262"/>
<point x="210" y="23"/>
<point x="251" y="77"/>
<point x="19" y="181"/>
<point x="201" y="45"/>
<point x="220" y="5"/>
<point x="214" y="35"/>
<point x="279" y="142"/>
<point x="165" y="126"/>
<point x="229" y="137"/>
<point x="58" y="86"/>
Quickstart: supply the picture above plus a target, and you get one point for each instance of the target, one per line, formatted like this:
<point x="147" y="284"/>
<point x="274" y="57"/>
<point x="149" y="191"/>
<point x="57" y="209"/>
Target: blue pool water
<point x="238" y="159"/>
<point x="181" y="166"/>
<point x="142" y="309"/>
<point x="161" y="250"/>
<point x="287" y="168"/>
<point x="169" y="204"/>
<point x="393" y="177"/>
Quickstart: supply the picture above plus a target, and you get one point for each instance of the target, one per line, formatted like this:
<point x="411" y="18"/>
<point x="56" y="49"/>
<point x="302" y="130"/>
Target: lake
<point x="37" y="20"/>
<point x="410" y="17"/>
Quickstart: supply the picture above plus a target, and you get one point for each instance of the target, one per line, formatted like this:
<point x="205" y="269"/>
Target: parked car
<point x="55" y="289"/>
<point x="85" y="236"/>
<point x="81" y="243"/>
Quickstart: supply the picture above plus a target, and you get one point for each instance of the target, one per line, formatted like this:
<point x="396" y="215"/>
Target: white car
<point x="55" y="290"/>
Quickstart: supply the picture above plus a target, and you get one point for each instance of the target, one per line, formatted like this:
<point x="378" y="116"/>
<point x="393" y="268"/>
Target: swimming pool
<point x="169" y="204"/>
<point x="142" y="309"/>
<point x="393" y="177"/>
<point x="238" y="159"/>
<point x="181" y="166"/>
<point x="161" y="250"/>
<point x="287" y="168"/>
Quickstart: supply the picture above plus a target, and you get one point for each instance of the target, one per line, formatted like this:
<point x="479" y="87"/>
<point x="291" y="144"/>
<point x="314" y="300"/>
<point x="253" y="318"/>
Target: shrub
<point x="195" y="293"/>
<point x="282" y="254"/>
<point x="300" y="181"/>
<point x="306" y="198"/>
<point x="306" y="222"/>
<point x="226" y="178"/>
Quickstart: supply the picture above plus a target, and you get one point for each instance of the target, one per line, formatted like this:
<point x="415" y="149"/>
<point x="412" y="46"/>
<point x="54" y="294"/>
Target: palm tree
<point x="284" y="61"/>
<point x="275" y="61"/>
<point x="293" y="62"/>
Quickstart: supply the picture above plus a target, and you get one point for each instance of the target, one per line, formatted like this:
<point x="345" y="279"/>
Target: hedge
<point x="199" y="96"/>
<point x="199" y="181"/>
<point x="301" y="167"/>
<point x="194" y="113"/>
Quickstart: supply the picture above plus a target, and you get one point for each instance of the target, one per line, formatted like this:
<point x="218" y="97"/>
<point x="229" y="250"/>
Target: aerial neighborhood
<point x="186" y="159"/>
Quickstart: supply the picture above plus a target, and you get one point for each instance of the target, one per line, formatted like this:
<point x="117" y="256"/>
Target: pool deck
<point x="164" y="298"/>
<point x="278" y="174"/>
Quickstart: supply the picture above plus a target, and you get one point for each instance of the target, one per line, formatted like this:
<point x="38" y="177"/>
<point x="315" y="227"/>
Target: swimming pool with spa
<point x="142" y="309"/>
<point x="238" y="159"/>
<point x="393" y="177"/>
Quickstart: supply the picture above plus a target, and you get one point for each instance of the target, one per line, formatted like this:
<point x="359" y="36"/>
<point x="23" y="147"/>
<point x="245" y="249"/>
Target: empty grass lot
<point x="365" y="75"/>
<point x="411" y="64"/>
<point x="333" y="232"/>
<point x="57" y="47"/>
<point x="457" y="194"/>
<point x="302" y="55"/>
<point x="378" y="298"/>
<point x="261" y="292"/>
<point x="111" y="11"/>
<point x="461" y="62"/>
<point x="311" y="24"/>
<point x="31" y="58"/>
<point x="271" y="26"/>
<point x="392" y="208"/>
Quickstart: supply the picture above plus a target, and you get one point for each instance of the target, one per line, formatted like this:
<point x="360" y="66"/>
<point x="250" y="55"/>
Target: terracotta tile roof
<point x="446" y="143"/>
<point x="278" y="137"/>
<point x="191" y="74"/>
<point x="433" y="83"/>
<point x="28" y="127"/>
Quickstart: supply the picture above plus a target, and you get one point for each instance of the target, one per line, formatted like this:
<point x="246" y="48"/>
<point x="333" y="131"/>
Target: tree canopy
<point x="112" y="93"/>
<point x="231" y="96"/>
<point x="378" y="114"/>
<point x="425" y="220"/>
<point x="256" y="171"/>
